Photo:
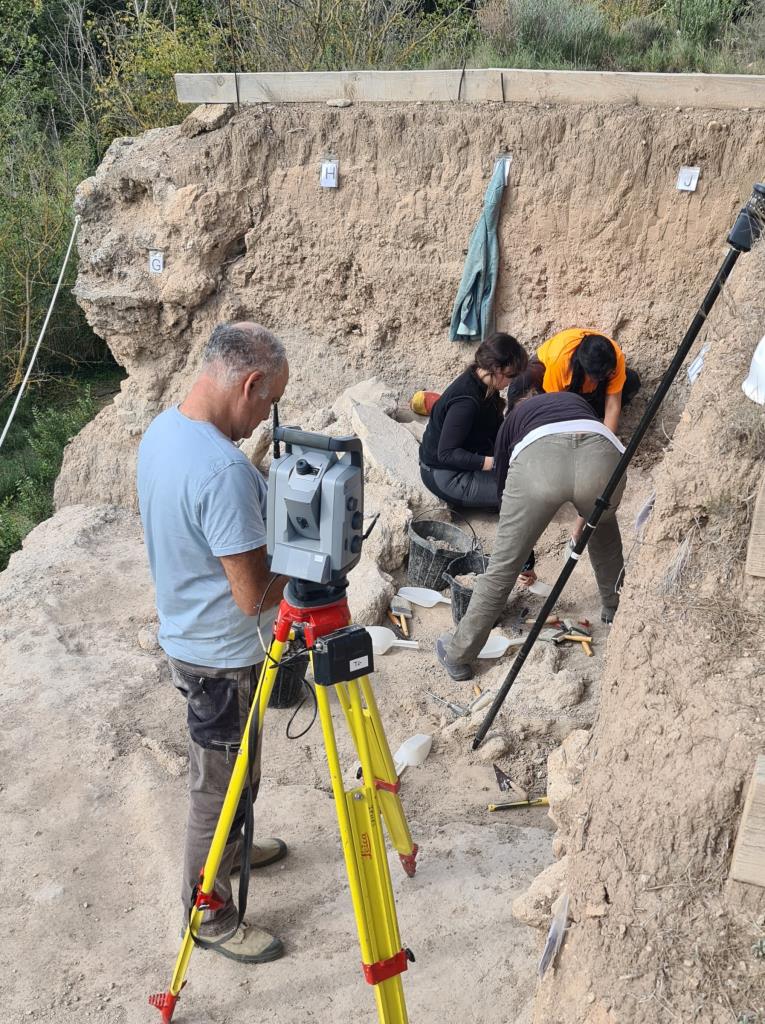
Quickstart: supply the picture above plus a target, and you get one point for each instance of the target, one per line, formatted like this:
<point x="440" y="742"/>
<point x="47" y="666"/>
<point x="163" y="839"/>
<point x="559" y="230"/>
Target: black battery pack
<point x="343" y="655"/>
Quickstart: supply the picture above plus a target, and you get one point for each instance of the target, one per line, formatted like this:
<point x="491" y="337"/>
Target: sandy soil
<point x="93" y="804"/>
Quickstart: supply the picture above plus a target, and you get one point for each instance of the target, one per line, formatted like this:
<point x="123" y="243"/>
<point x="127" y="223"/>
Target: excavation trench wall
<point x="659" y="932"/>
<point x="361" y="280"/>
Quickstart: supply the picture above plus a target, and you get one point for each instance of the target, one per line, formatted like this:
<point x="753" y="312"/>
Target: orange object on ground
<point x="556" y="354"/>
<point x="423" y="401"/>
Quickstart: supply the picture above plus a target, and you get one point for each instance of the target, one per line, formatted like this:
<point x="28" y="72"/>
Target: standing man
<point x="203" y="506"/>
<point x="551" y="449"/>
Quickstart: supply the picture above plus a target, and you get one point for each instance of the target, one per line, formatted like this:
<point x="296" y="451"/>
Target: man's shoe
<point x="262" y="853"/>
<point x="248" y="945"/>
<point x="459" y="673"/>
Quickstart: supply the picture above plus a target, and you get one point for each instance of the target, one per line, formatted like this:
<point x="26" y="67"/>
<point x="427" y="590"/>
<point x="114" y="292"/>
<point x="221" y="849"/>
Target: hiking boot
<point x="262" y="853"/>
<point x="459" y="673"/>
<point x="248" y="945"/>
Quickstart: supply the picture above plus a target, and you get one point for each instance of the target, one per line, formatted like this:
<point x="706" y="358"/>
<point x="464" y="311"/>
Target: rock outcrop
<point x="360" y="280"/>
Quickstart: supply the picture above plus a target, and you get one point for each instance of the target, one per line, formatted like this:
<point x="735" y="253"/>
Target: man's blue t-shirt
<point x="200" y="498"/>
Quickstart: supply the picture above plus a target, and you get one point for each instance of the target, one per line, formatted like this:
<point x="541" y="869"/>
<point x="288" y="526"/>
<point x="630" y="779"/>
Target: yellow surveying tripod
<point x="341" y="657"/>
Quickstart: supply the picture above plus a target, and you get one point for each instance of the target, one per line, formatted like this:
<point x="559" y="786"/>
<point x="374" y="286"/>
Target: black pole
<point x="744" y="234"/>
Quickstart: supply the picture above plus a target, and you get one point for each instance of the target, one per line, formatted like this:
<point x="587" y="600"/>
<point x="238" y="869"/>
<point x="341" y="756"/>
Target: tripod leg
<point x="383" y="771"/>
<point x="206" y="898"/>
<point x="359" y="818"/>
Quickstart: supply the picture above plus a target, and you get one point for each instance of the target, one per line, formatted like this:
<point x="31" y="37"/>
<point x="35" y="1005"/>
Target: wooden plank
<point x="206" y="88"/>
<point x="479" y="85"/>
<point x="644" y="88"/>
<point x="755" y="552"/>
<point x="748" y="863"/>
<point x="371" y="86"/>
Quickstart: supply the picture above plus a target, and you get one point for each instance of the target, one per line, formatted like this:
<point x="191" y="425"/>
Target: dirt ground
<point x="93" y="803"/>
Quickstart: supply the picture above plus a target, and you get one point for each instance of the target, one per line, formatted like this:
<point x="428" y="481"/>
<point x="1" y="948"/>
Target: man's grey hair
<point x="236" y="349"/>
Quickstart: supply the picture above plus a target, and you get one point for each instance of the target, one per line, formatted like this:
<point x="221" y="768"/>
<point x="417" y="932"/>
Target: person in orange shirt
<point x="587" y="363"/>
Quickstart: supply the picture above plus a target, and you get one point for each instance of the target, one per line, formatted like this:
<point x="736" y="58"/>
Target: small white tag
<point x="688" y="179"/>
<point x="329" y="173"/>
<point x="156" y="261"/>
<point x="358" y="663"/>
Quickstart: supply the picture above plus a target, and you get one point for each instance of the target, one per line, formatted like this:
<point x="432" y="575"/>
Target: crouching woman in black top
<point x="457" y="450"/>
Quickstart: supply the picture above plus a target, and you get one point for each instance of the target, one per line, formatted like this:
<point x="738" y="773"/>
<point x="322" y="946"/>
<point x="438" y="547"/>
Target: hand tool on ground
<point x="551" y="620"/>
<point x="554" y="635"/>
<point x="587" y="648"/>
<point x="383" y="639"/>
<point x="745" y="232"/>
<point x="395" y="624"/>
<point x="403" y="609"/>
<point x="555" y="934"/>
<point x="481" y="701"/>
<point x="456" y="709"/>
<point x="577" y="629"/>
<point x="506" y="784"/>
<point x="542" y="801"/>
<point x="423" y="596"/>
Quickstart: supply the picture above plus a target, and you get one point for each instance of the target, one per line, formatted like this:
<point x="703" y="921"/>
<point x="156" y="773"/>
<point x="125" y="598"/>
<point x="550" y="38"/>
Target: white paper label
<point x="688" y="179"/>
<point x="358" y="663"/>
<point x="329" y="173"/>
<point x="156" y="261"/>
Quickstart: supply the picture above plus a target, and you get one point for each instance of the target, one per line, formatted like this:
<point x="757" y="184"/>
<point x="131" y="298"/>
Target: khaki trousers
<point x="547" y="474"/>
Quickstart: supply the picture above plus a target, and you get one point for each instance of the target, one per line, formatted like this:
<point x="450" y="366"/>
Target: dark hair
<point x="499" y="352"/>
<point x="593" y="357"/>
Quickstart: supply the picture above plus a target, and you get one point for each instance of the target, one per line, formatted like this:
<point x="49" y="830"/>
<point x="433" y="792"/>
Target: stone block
<point x="369" y="593"/>
<point x="393" y="452"/>
<point x="367" y="392"/>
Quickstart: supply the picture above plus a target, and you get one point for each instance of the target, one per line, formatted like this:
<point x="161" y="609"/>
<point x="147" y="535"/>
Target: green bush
<point x="32" y="457"/>
<point x="703" y="21"/>
<point x="643" y="31"/>
<point x="558" y="31"/>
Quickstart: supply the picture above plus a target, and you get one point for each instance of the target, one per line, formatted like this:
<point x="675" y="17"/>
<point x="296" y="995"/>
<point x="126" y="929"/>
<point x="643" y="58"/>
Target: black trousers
<point x="462" y="489"/>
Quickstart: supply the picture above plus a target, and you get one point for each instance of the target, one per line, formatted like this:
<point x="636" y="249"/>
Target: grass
<point x="716" y="36"/>
<point x="32" y="452"/>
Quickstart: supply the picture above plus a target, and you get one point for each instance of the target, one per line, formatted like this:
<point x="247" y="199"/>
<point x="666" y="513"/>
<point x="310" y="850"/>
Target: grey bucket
<point x="473" y="561"/>
<point x="432" y="546"/>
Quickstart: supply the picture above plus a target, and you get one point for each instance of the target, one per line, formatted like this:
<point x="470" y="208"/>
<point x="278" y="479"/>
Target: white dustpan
<point x="423" y="596"/>
<point x="383" y="639"/>
<point x="497" y="644"/>
<point x="754" y="385"/>
<point x="540" y="589"/>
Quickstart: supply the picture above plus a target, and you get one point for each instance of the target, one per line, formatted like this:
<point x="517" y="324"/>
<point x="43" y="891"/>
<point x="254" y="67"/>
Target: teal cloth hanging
<point x="473" y="313"/>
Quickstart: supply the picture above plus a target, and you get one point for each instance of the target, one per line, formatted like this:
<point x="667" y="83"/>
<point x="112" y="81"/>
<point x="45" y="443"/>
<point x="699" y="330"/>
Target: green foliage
<point x="315" y="35"/>
<point x="565" y="33"/>
<point x="38" y="175"/>
<point x="31" y="460"/>
<point x="637" y="35"/>
<point x="136" y="89"/>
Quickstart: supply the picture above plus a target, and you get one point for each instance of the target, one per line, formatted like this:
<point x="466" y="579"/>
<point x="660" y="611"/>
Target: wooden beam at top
<point x="478" y="85"/>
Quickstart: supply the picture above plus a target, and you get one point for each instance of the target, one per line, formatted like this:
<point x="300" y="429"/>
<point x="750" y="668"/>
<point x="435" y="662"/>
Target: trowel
<point x="423" y="596"/>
